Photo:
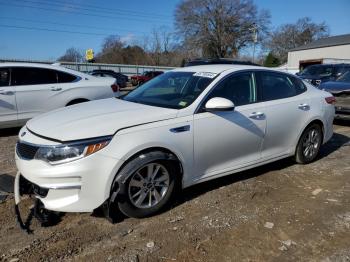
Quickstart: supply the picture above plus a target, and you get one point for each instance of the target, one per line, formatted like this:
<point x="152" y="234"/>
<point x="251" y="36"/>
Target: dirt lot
<point x="278" y="212"/>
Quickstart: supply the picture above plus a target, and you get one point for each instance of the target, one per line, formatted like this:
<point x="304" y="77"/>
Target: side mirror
<point x="219" y="104"/>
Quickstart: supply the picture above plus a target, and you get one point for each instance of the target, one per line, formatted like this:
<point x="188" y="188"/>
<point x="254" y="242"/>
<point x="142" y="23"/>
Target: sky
<point x="29" y="28"/>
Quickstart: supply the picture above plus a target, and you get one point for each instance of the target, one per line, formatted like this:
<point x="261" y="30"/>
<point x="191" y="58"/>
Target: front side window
<point x="4" y="77"/>
<point x="171" y="90"/>
<point x="32" y="76"/>
<point x="278" y="86"/>
<point x="240" y="89"/>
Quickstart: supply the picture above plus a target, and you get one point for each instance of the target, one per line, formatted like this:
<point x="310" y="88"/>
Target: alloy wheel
<point x="311" y="143"/>
<point x="148" y="185"/>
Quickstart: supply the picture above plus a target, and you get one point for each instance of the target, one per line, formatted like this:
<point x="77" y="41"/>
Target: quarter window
<point x="4" y="77"/>
<point x="65" y="78"/>
<point x="240" y="89"/>
<point x="32" y="76"/>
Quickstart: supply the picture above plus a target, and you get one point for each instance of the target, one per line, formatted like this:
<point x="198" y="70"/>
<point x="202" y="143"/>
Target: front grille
<point x="26" y="151"/>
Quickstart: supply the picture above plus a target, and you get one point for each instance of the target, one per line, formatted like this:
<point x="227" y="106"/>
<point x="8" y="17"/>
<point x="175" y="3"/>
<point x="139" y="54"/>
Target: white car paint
<point x="216" y="144"/>
<point x="18" y="103"/>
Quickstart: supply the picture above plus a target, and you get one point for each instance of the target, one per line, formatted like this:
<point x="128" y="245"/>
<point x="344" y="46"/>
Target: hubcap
<point x="148" y="185"/>
<point x="311" y="143"/>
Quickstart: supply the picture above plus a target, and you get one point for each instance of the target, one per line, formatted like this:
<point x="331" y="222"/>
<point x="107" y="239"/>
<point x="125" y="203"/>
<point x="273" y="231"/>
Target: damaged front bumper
<point x="24" y="187"/>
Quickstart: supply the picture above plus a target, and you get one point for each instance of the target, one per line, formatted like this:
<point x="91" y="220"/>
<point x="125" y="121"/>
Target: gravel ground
<point x="278" y="212"/>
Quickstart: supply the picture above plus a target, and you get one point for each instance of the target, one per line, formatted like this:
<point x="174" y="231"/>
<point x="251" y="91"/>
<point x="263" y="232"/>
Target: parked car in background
<point x="217" y="61"/>
<point x="340" y="88"/>
<point x="146" y="76"/>
<point x="120" y="78"/>
<point x="317" y="74"/>
<point x="184" y="127"/>
<point x="28" y="89"/>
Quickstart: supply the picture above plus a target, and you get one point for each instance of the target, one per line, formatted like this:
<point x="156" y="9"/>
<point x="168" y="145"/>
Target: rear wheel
<point x="309" y="144"/>
<point x="148" y="189"/>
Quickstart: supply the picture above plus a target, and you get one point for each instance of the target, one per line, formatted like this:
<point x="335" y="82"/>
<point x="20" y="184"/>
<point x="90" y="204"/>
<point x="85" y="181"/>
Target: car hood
<point x="96" y="118"/>
<point x="335" y="86"/>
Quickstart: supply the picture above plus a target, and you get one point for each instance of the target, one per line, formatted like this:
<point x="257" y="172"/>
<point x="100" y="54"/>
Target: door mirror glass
<point x="219" y="104"/>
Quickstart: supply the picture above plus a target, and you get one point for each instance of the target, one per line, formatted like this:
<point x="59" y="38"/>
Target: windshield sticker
<point x="182" y="103"/>
<point x="205" y="74"/>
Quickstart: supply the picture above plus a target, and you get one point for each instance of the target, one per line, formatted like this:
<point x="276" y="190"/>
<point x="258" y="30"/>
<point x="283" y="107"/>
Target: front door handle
<point x="56" y="88"/>
<point x="304" y="106"/>
<point x="257" y="115"/>
<point x="6" y="93"/>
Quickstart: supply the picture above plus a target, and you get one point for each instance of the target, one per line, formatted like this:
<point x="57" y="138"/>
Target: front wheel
<point x="148" y="189"/>
<point x="309" y="144"/>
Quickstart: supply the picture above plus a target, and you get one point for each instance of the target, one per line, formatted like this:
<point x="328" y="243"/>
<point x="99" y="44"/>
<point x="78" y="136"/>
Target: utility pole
<point x="254" y="30"/>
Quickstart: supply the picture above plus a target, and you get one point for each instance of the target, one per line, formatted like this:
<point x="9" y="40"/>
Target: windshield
<point x="318" y="70"/>
<point x="344" y="77"/>
<point x="171" y="90"/>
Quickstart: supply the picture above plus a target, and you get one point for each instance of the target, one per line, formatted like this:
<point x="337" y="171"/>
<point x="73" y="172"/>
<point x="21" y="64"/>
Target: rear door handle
<point x="304" y="106"/>
<point x="257" y="115"/>
<point x="56" y="88"/>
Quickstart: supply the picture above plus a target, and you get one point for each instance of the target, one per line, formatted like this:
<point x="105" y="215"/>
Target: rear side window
<point x="4" y="77"/>
<point x="63" y="77"/>
<point x="278" y="86"/>
<point x="32" y="76"/>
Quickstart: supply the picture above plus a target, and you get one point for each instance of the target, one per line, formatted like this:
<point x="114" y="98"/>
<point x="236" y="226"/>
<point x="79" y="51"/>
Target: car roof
<point x="42" y="65"/>
<point x="218" y="68"/>
<point x="212" y="61"/>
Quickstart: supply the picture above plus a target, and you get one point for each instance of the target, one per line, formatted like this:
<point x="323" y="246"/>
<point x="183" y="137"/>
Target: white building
<point x="334" y="49"/>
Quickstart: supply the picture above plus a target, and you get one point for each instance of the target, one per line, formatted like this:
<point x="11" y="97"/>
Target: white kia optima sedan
<point x="184" y="127"/>
<point x="29" y="89"/>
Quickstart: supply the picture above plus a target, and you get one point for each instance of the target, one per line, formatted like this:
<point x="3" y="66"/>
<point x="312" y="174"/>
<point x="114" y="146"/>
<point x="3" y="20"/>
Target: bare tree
<point x="289" y="36"/>
<point x="220" y="28"/>
<point x="111" y="52"/>
<point x="72" y="55"/>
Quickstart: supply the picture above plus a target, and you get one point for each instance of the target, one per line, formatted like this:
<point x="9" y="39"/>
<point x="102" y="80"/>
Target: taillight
<point x="115" y="87"/>
<point x="330" y="100"/>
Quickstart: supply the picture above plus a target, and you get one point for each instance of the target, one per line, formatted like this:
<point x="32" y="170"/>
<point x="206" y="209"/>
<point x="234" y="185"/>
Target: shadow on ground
<point x="9" y="131"/>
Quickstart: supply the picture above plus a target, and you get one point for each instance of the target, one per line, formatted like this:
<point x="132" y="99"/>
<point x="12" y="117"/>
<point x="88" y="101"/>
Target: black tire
<point x="125" y="203"/>
<point x="307" y="150"/>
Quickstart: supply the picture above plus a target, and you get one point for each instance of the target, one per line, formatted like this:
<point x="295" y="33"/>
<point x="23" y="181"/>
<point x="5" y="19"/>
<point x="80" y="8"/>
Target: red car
<point x="147" y="75"/>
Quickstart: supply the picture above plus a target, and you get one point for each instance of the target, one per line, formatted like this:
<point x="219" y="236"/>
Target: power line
<point x="52" y="30"/>
<point x="70" y="25"/>
<point x="74" y="12"/>
<point x="98" y="8"/>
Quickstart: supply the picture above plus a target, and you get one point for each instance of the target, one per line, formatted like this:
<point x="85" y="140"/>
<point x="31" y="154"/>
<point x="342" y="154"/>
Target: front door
<point x="224" y="141"/>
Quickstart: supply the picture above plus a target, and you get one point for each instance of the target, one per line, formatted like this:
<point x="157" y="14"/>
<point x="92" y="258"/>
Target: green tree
<point x="271" y="61"/>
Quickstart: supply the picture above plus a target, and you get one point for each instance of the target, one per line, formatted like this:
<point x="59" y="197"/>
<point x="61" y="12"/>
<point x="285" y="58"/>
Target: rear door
<point x="34" y="88"/>
<point x="286" y="106"/>
<point x="8" y="107"/>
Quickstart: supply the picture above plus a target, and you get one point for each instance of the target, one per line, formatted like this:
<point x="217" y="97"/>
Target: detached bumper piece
<point x="44" y="216"/>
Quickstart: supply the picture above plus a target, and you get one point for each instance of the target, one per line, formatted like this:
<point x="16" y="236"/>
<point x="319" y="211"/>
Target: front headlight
<point x="71" y="151"/>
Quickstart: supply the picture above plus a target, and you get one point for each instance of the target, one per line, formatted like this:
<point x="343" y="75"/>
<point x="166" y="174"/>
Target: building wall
<point x="341" y="52"/>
